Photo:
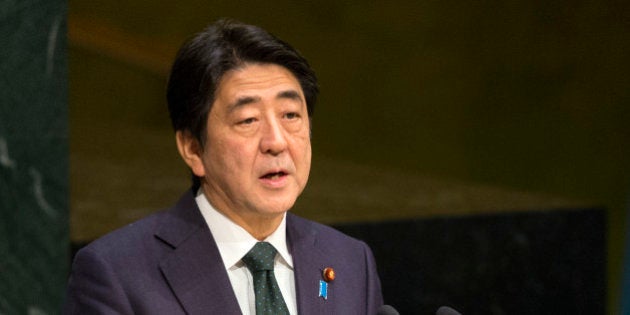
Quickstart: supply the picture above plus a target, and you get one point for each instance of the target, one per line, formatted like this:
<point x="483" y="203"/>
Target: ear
<point x="191" y="152"/>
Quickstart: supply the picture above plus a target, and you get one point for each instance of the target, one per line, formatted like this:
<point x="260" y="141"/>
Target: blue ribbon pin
<point x="323" y="289"/>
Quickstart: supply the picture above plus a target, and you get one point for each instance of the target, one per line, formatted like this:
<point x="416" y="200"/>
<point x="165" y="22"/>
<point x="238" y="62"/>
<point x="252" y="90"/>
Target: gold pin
<point x="328" y="274"/>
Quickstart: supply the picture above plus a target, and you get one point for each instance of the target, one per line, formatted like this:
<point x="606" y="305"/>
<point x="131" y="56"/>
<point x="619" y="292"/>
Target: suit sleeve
<point x="94" y="288"/>
<point x="373" y="290"/>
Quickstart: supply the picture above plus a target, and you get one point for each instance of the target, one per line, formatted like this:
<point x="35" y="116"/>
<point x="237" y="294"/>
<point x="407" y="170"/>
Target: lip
<point x="275" y="178"/>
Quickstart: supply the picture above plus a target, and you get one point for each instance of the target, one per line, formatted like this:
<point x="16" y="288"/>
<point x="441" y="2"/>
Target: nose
<point x="273" y="139"/>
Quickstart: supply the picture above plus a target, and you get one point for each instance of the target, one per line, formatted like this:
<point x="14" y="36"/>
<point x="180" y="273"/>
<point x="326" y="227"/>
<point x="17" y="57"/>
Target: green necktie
<point x="259" y="261"/>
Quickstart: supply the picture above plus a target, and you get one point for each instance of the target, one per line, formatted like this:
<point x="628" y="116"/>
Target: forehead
<point x="256" y="80"/>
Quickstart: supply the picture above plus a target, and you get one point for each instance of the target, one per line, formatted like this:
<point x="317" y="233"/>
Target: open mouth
<point x="274" y="175"/>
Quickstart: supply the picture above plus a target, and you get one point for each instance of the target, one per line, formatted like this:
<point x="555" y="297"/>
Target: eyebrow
<point x="246" y="100"/>
<point x="242" y="101"/>
<point x="290" y="94"/>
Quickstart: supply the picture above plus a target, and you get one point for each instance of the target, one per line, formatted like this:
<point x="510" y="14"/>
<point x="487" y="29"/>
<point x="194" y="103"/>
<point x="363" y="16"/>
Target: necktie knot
<point x="260" y="257"/>
<point x="260" y="261"/>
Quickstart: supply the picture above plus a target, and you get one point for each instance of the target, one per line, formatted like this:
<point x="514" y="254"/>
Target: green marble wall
<point x="33" y="156"/>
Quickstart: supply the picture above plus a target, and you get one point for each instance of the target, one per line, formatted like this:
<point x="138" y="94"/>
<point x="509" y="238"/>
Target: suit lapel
<point x="194" y="269"/>
<point x="308" y="262"/>
<point x="196" y="274"/>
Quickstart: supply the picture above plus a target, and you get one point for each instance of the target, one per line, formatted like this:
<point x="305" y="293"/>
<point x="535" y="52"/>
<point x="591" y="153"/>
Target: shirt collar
<point x="233" y="241"/>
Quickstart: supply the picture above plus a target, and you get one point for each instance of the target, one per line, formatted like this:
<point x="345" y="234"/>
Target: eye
<point x="247" y="121"/>
<point x="291" y="115"/>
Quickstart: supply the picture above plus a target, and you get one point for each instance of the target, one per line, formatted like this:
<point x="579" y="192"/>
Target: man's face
<point x="257" y="155"/>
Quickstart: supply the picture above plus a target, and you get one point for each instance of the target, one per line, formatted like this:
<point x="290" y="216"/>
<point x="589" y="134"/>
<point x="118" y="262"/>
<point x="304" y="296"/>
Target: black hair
<point x="223" y="46"/>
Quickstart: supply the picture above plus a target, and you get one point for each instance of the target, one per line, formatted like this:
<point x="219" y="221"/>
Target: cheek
<point x="226" y="158"/>
<point x="302" y="156"/>
<point x="237" y="155"/>
<point x="307" y="154"/>
<point x="307" y="165"/>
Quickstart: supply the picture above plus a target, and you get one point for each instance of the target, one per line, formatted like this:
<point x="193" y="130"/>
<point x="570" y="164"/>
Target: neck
<point x="259" y="228"/>
<point x="258" y="225"/>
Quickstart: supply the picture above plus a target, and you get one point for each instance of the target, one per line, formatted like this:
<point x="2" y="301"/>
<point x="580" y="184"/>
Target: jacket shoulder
<point x="326" y="237"/>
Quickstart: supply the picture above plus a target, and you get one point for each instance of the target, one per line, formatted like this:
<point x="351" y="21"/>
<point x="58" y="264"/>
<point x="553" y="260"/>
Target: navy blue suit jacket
<point x="168" y="263"/>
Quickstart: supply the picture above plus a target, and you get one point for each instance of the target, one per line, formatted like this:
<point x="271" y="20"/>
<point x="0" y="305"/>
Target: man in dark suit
<point x="241" y="103"/>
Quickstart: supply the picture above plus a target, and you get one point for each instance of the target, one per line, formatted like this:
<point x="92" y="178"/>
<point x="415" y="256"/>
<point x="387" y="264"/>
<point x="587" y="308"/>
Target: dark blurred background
<point x="526" y="95"/>
<point x="427" y="108"/>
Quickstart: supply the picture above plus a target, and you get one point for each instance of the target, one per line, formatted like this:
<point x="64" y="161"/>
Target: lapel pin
<point x="329" y="274"/>
<point x="323" y="289"/>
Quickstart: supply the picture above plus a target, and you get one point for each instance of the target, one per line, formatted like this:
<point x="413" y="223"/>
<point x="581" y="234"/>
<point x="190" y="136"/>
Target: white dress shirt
<point x="234" y="242"/>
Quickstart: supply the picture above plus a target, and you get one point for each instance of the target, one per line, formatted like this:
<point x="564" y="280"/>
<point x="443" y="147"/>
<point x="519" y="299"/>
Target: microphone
<point x="387" y="310"/>
<point x="445" y="310"/>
